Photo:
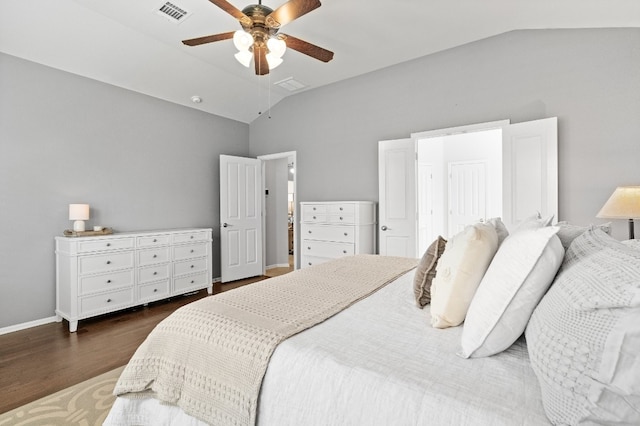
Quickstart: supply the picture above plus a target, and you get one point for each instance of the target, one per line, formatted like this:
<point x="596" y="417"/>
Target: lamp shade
<point x="78" y="211"/>
<point x="624" y="203"/>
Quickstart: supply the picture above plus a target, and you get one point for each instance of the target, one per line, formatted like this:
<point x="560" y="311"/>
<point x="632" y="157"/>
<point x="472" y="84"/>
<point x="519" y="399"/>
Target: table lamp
<point x="624" y="203"/>
<point x="79" y="213"/>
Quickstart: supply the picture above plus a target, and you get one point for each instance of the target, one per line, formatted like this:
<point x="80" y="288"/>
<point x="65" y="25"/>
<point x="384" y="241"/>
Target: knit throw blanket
<point x="209" y="357"/>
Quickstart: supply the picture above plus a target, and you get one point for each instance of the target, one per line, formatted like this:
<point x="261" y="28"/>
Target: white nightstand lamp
<point x="624" y="203"/>
<point x="79" y="213"/>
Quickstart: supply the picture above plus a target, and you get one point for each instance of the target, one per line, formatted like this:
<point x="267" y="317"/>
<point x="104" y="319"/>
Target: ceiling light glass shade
<point x="273" y="61"/>
<point x="276" y="47"/>
<point x="242" y="40"/>
<point x="244" y="57"/>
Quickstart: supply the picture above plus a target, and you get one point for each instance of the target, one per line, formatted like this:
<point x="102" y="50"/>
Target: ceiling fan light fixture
<point x="273" y="61"/>
<point x="276" y="46"/>
<point x="244" y="57"/>
<point x="242" y="40"/>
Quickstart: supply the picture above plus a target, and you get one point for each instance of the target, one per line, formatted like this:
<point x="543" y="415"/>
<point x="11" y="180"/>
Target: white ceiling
<point x="127" y="44"/>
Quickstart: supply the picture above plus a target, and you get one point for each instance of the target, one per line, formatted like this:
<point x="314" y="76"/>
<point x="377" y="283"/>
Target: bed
<point x="380" y="361"/>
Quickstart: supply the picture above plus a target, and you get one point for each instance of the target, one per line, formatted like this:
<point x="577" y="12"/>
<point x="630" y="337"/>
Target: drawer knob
<point x="344" y="251"/>
<point x="309" y="263"/>
<point x="155" y="290"/>
<point x="108" y="281"/>
<point x="191" y="237"/>
<point x="191" y="250"/>
<point x="192" y="266"/>
<point x="108" y="300"/>
<point x="155" y="255"/>
<point x="308" y="248"/>
<point x="309" y="231"/>
<point x="314" y="217"/>
<point x="345" y="234"/>
<point x="340" y="208"/>
<point x="108" y="244"/>
<point x="341" y="217"/>
<point x="192" y="281"/>
<point x="155" y="272"/>
<point x="314" y="209"/>
<point x="108" y="262"/>
<point x="155" y="241"/>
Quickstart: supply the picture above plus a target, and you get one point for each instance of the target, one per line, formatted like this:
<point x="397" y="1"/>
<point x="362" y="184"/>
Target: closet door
<point x="397" y="197"/>
<point x="529" y="170"/>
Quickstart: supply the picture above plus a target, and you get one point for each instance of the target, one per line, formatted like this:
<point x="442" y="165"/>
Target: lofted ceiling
<point x="130" y="45"/>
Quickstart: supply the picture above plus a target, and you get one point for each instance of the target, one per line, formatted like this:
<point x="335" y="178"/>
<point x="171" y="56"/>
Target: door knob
<point x="224" y="225"/>
<point x="384" y="227"/>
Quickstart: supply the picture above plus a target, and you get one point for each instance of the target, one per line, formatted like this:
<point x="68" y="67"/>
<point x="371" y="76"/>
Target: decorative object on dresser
<point x="624" y="203"/>
<point x="336" y="229"/>
<point x="78" y="213"/>
<point x="102" y="274"/>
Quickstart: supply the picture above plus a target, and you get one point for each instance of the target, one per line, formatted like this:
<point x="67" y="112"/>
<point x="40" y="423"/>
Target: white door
<point x="397" y="197"/>
<point x="240" y="217"/>
<point x="425" y="207"/>
<point x="530" y="170"/>
<point x="467" y="194"/>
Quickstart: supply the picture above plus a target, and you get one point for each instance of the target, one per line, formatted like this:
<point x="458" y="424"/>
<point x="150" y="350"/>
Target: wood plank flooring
<point x="41" y="360"/>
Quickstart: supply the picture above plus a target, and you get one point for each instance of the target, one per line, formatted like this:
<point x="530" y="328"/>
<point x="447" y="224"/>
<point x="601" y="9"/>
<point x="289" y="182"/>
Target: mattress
<point x="379" y="362"/>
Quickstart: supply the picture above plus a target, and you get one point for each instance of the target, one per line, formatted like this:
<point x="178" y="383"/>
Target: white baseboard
<point x="25" y="325"/>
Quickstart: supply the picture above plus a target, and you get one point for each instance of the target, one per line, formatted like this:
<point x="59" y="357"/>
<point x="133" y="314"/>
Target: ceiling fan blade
<point x="233" y="11"/>
<point x="307" y="48"/>
<point x="260" y="60"/>
<point x="289" y="11"/>
<point x="208" y="39"/>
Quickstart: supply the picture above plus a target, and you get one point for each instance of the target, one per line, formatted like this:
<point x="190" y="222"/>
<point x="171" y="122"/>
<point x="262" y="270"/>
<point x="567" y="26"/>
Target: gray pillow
<point x="569" y="232"/>
<point x="584" y="336"/>
<point x="426" y="270"/>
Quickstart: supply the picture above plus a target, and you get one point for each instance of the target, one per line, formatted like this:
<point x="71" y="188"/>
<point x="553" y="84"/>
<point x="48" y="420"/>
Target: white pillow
<point x="501" y="229"/>
<point x="458" y="273"/>
<point x="519" y="275"/>
<point x="583" y="338"/>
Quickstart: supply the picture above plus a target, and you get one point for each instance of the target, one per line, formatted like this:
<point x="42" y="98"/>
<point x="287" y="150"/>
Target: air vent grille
<point x="290" y="84"/>
<point x="174" y="13"/>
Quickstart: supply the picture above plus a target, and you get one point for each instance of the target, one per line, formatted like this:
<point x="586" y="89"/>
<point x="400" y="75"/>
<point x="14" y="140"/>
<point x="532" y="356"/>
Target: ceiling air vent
<point x="172" y="12"/>
<point x="290" y="84"/>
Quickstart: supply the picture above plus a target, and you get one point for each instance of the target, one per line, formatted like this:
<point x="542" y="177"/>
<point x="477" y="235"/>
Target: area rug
<point x="84" y="404"/>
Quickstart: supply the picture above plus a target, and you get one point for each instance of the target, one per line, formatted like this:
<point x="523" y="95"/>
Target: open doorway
<point x="279" y="213"/>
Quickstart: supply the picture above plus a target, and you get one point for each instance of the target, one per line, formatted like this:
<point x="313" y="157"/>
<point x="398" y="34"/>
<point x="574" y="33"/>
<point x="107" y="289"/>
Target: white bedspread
<point x="381" y="363"/>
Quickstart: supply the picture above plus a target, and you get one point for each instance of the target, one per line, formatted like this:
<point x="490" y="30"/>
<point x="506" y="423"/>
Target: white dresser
<point x="97" y="275"/>
<point x="336" y="229"/>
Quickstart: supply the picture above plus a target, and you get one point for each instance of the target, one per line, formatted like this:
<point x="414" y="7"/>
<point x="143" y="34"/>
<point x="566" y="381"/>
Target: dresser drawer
<point x="153" y="241"/>
<point x="308" y="210"/>
<point x="153" y="256"/>
<point x="106" y="244"/>
<point x="342" y="209"/>
<point x="327" y="249"/>
<point x="339" y="233"/>
<point x="190" y="266"/>
<point x="189" y="251"/>
<point x="153" y="291"/>
<point x="191" y="282"/>
<point x="153" y="273"/>
<point x="105" y="262"/>
<point x="307" y="261"/>
<point x="105" y="282"/>
<point x="106" y="302"/>
<point x="190" y="237"/>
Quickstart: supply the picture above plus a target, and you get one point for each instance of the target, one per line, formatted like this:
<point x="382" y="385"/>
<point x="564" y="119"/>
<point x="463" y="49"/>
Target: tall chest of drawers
<point x="97" y="275"/>
<point x="330" y="230"/>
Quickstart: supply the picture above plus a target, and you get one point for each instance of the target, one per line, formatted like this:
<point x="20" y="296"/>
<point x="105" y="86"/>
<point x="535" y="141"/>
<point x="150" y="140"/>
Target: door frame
<point x="263" y="159"/>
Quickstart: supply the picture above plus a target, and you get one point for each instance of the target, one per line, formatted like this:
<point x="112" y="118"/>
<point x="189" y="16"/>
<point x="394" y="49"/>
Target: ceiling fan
<point x="259" y="38"/>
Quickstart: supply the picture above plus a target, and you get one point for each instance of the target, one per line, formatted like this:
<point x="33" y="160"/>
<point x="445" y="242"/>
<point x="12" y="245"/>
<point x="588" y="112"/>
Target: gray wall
<point x="141" y="163"/>
<point x="589" y="79"/>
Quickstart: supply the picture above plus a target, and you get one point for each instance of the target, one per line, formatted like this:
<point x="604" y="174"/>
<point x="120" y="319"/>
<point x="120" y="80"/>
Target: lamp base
<point x="78" y="225"/>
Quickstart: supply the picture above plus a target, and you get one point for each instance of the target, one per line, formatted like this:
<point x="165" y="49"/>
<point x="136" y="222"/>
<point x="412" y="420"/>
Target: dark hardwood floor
<point x="41" y="360"/>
